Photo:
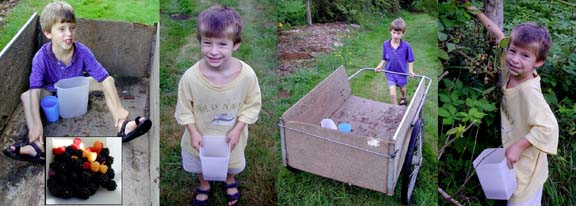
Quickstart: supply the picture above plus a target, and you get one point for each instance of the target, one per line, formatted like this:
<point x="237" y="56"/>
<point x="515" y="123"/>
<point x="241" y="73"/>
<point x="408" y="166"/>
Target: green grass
<point x="179" y="50"/>
<point x="363" y="50"/>
<point x="141" y="11"/>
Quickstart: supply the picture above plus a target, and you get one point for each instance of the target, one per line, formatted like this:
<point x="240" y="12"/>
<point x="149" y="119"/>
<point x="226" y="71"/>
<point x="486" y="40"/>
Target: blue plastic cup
<point x="345" y="127"/>
<point x="49" y="105"/>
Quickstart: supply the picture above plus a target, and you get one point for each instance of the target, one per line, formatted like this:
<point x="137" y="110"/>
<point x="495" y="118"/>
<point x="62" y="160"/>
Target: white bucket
<point x="72" y="96"/>
<point x="214" y="158"/>
<point x="328" y="123"/>
<point x="497" y="181"/>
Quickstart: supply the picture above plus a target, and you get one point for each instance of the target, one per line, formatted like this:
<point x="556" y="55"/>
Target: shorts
<point x="535" y="200"/>
<point x="396" y="80"/>
<point x="191" y="163"/>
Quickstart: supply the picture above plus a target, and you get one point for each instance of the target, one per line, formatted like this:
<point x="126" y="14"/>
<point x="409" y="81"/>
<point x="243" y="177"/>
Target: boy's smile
<point x="521" y="62"/>
<point x="62" y="36"/>
<point x="217" y="52"/>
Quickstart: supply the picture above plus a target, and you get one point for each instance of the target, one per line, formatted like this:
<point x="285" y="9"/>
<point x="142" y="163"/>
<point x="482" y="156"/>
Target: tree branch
<point x="446" y="196"/>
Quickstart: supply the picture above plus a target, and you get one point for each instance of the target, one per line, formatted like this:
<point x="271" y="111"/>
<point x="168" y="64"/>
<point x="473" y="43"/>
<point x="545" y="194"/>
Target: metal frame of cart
<point x="373" y="155"/>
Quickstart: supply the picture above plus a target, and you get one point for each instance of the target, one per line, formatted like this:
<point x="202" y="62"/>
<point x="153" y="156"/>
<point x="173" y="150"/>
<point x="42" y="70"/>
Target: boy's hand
<point x="412" y="74"/>
<point x="515" y="150"/>
<point x="196" y="141"/>
<point x="35" y="133"/>
<point x="377" y="69"/>
<point x="195" y="137"/>
<point x="233" y="135"/>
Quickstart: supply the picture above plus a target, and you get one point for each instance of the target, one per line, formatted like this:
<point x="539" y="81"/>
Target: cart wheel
<point x="412" y="162"/>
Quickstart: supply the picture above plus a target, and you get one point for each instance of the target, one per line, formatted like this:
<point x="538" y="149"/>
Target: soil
<point x="299" y="47"/>
<point x="5" y="7"/>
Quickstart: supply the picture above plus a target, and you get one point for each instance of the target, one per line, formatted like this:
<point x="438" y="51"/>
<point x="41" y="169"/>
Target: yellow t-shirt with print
<point x="216" y="109"/>
<point x="525" y="114"/>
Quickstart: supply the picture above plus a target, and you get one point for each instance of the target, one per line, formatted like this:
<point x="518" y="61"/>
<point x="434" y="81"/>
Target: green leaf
<point x="443" y="112"/>
<point x="504" y="42"/>
<point x="444" y="98"/>
<point x="443" y="55"/>
<point x="451" y="47"/>
<point x="442" y="37"/>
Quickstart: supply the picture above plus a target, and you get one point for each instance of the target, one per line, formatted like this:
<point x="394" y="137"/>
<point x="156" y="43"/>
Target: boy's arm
<point x="380" y="65"/>
<point x="513" y="152"/>
<point x="234" y="134"/>
<point x="411" y="69"/>
<point x="195" y="137"/>
<point x="248" y="113"/>
<point x="488" y="24"/>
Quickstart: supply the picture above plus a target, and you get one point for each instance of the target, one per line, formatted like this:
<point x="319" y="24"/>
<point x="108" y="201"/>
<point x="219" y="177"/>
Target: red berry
<point x="51" y="173"/>
<point x="86" y="165"/>
<point x="75" y="146"/>
<point x="77" y="141"/>
<point x="59" y="150"/>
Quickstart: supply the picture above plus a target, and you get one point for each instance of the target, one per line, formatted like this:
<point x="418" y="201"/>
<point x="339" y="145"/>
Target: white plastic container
<point x="328" y="123"/>
<point x="497" y="181"/>
<point x="214" y="158"/>
<point x="72" y="96"/>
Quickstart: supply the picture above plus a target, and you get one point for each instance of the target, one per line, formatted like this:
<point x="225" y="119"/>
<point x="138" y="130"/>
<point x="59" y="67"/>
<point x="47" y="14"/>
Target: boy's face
<point x="62" y="35"/>
<point x="217" y="51"/>
<point x="521" y="61"/>
<point x="396" y="35"/>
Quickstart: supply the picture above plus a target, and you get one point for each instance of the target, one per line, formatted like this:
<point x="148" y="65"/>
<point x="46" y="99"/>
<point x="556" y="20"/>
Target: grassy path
<point x="179" y="50"/>
<point x="360" y="51"/>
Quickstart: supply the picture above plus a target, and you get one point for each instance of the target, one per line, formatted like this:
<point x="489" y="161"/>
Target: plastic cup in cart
<point x="49" y="105"/>
<point x="72" y="96"/>
<point x="328" y="123"/>
<point x="497" y="181"/>
<point x="214" y="158"/>
<point x="345" y="127"/>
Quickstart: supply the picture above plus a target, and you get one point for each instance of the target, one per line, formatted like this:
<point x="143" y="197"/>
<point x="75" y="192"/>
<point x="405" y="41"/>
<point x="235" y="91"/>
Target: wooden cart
<point x="385" y="138"/>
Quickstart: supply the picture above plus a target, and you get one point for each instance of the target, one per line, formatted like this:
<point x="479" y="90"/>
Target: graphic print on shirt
<point x="225" y="112"/>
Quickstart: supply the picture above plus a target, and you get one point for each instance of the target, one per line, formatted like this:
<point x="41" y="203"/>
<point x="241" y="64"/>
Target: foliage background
<point x="469" y="95"/>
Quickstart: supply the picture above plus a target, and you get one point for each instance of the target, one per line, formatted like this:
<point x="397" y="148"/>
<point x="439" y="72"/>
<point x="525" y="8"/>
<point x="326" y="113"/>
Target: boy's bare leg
<point x="204" y="185"/>
<point x="393" y="95"/>
<point x="231" y="180"/>
<point x="403" y="91"/>
<point x="31" y="103"/>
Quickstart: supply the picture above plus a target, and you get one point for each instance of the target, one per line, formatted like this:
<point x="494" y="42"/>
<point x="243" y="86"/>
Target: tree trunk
<point x="308" y="14"/>
<point x="494" y="10"/>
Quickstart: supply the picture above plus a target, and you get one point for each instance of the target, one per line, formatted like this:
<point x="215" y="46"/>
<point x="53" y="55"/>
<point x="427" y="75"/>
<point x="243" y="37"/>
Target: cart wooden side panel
<point x="404" y="132"/>
<point x="321" y="101"/>
<point x="334" y="158"/>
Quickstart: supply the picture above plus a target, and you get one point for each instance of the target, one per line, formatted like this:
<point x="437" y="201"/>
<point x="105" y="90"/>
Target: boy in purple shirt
<point x="63" y="58"/>
<point x="397" y="56"/>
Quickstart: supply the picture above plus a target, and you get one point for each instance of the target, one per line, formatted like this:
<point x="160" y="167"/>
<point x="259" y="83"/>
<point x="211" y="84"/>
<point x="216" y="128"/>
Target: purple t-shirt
<point x="397" y="59"/>
<point x="47" y="70"/>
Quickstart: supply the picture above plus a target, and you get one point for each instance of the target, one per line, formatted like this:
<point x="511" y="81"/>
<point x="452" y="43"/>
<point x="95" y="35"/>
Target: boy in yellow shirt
<point x="529" y="128"/>
<point x="217" y="96"/>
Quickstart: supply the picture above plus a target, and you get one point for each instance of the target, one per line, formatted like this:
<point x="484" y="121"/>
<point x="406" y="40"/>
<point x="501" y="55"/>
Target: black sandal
<point x="201" y="202"/>
<point x="402" y="101"/>
<point x="232" y="197"/>
<point x="40" y="156"/>
<point x="141" y="128"/>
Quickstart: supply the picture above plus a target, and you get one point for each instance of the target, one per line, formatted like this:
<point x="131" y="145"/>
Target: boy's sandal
<point x="232" y="197"/>
<point x="201" y="202"/>
<point x="40" y="156"/>
<point x="141" y="128"/>
<point x="402" y="101"/>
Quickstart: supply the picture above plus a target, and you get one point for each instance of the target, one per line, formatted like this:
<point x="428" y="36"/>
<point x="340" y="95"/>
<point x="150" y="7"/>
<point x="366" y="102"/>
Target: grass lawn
<point x="179" y="50"/>
<point x="363" y="50"/>
<point x="142" y="11"/>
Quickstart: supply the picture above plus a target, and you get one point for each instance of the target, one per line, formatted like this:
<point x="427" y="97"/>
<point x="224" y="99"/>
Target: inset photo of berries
<point x="83" y="170"/>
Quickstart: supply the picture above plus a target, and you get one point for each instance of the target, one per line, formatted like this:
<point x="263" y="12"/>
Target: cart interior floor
<point x="370" y="118"/>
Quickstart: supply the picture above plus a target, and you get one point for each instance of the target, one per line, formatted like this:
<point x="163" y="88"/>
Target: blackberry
<point x="111" y="185"/>
<point x="110" y="173"/>
<point x="109" y="161"/>
<point x="105" y="152"/>
<point x="83" y="193"/>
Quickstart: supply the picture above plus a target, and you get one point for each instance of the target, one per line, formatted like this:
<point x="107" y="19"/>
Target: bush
<point x="292" y="12"/>
<point x="351" y="11"/>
